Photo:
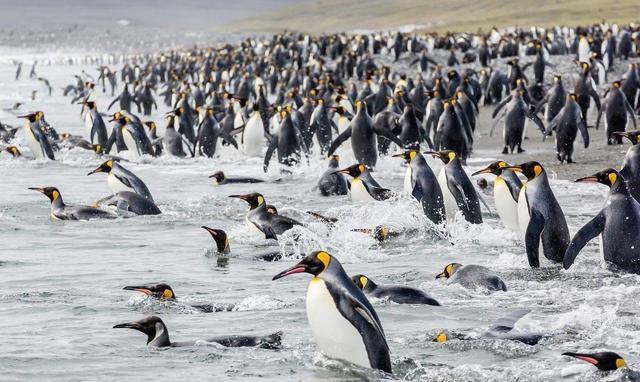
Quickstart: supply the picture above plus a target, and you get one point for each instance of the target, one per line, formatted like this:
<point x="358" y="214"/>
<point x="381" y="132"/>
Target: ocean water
<point x="61" y="282"/>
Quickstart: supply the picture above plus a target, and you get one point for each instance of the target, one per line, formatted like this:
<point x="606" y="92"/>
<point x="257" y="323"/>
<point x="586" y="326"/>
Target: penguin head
<point x="31" y="117"/>
<point x="363" y="282"/>
<point x="441" y="337"/>
<point x="531" y="169"/>
<point x="90" y="104"/>
<point x="494" y="168"/>
<point x="254" y="199"/>
<point x="314" y="264"/>
<point x="604" y="360"/>
<point x="585" y="67"/>
<point x="633" y="136"/>
<point x="151" y="125"/>
<point x="162" y="291"/>
<point x="446" y="156"/>
<point x="354" y="170"/>
<point x="151" y="326"/>
<point x="97" y="148"/>
<point x="608" y="177"/>
<point x="51" y="192"/>
<point x="572" y="97"/>
<point x="220" y="237"/>
<point x="218" y="177"/>
<point x="449" y="270"/>
<point x="557" y="78"/>
<point x="616" y="84"/>
<point x="105" y="167"/>
<point x="408" y="155"/>
<point x="13" y="150"/>
<point x="272" y="209"/>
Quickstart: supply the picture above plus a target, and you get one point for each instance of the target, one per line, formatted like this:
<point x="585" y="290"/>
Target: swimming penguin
<point x="567" y="124"/>
<point x="261" y="221"/>
<point x="501" y="329"/>
<point x="605" y="361"/>
<point x="631" y="165"/>
<point x="130" y="202"/>
<point x="37" y="140"/>
<point x="223" y="246"/>
<point x="158" y="336"/>
<point x="472" y="276"/>
<point x="618" y="225"/>
<point x="399" y="294"/>
<point x="422" y="184"/>
<point x="13" y="150"/>
<point x="540" y="217"/>
<point x="333" y="183"/>
<point x="342" y="320"/>
<point x="457" y="190"/>
<point x="121" y="179"/>
<point x="362" y="132"/>
<point x="615" y="107"/>
<point x="164" y="292"/>
<point x="506" y="190"/>
<point x="61" y="211"/>
<point x="361" y="189"/>
<point x="219" y="178"/>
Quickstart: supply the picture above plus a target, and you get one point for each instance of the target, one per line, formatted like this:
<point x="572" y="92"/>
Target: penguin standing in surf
<point x="506" y="190"/>
<point x="37" y="140"/>
<point x="618" y="225"/>
<point x="630" y="170"/>
<point x="342" y="320"/>
<point x="540" y="217"/>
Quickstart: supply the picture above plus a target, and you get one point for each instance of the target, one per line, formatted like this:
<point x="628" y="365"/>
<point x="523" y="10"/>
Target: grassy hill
<point x="457" y="15"/>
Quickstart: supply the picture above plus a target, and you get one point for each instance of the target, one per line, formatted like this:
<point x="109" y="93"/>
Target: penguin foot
<point x="505" y="150"/>
<point x="520" y="150"/>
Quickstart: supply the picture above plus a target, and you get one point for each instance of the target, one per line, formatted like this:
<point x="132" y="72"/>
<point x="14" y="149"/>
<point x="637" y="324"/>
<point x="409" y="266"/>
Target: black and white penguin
<point x="400" y="294"/>
<point x="362" y="189"/>
<point x="342" y="320"/>
<point x="62" y="211"/>
<point x="261" y="221"/>
<point x="331" y="182"/>
<point x="121" y="179"/>
<point x="618" y="225"/>
<point x="506" y="190"/>
<point x="472" y="276"/>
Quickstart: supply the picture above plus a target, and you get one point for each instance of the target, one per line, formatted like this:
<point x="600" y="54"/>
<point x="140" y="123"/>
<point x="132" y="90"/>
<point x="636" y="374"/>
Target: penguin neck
<point x="160" y="337"/>
<point x="620" y="188"/>
<point x="370" y="287"/>
<point x="57" y="203"/>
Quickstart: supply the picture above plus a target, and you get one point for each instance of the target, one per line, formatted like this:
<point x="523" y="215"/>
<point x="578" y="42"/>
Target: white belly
<point x="359" y="193"/>
<point x="450" y="205"/>
<point x="253" y="137"/>
<point x="253" y="228"/>
<point x="129" y="142"/>
<point x="33" y="143"/>
<point x="523" y="212"/>
<point x="336" y="336"/>
<point x="88" y="121"/>
<point x="408" y="187"/>
<point x="506" y="206"/>
<point x="116" y="186"/>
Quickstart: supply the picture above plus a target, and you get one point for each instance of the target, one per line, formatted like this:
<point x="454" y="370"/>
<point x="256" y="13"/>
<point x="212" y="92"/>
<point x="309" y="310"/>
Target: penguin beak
<point x="624" y="134"/>
<point x="434" y="154"/>
<point x="130" y="325"/>
<point x="441" y="275"/>
<point x="362" y="230"/>
<point x="298" y="268"/>
<point x="483" y="171"/>
<point x="343" y="171"/>
<point x="243" y="197"/>
<point x="513" y="168"/>
<point x="212" y="231"/>
<point x="401" y="155"/>
<point x="99" y="169"/>
<point x="40" y="190"/>
<point x="588" y="179"/>
<point x="584" y="357"/>
<point x="142" y="289"/>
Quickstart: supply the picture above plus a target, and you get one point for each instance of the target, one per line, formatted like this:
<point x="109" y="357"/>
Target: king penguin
<point x="400" y="294"/>
<point x="457" y="189"/>
<point x="618" y="225"/>
<point x="506" y="190"/>
<point x="37" y="140"/>
<point x="363" y="190"/>
<point x="421" y="182"/>
<point x="630" y="170"/>
<point x="62" y="211"/>
<point x="342" y="320"/>
<point x="540" y="217"/>
<point x="121" y="179"/>
<point x="261" y="221"/>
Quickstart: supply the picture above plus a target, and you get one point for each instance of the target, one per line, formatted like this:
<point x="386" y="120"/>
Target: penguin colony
<point x="292" y="97"/>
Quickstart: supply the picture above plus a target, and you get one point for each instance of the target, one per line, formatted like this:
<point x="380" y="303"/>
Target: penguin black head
<point x="604" y="360"/>
<point x="31" y="117"/>
<point x="445" y="156"/>
<point x="254" y="199"/>
<point x="608" y="177"/>
<point x="585" y="67"/>
<point x="572" y="97"/>
<point x="407" y="155"/>
<point x="151" y="326"/>
<point x="272" y="209"/>
<point x="105" y="167"/>
<point x="220" y="237"/>
<point x="90" y="104"/>
<point x="441" y="337"/>
<point x="354" y="170"/>
<point x="315" y="264"/>
<point x="494" y="168"/>
<point x="13" y="150"/>
<point x="162" y="291"/>
<point x="334" y="160"/>
<point x="218" y="176"/>
<point x="531" y="169"/>
<point x="449" y="270"/>
<point x="151" y="125"/>
<point x="363" y="282"/>
<point x="97" y="148"/>
<point x="557" y="78"/>
<point x="633" y="136"/>
<point x="616" y="84"/>
<point x="381" y="233"/>
<point x="51" y="192"/>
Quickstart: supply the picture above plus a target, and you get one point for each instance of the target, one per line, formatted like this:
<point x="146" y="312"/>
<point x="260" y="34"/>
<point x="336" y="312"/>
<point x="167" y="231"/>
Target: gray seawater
<point x="61" y="282"/>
